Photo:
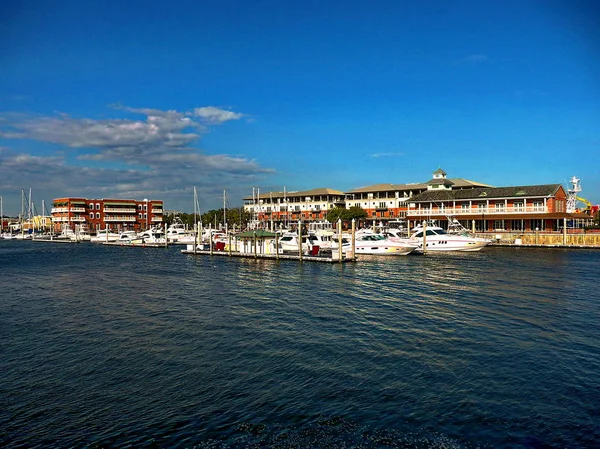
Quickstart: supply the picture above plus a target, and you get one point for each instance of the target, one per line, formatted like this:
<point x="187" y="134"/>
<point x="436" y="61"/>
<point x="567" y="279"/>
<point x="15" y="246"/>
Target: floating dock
<point x="324" y="258"/>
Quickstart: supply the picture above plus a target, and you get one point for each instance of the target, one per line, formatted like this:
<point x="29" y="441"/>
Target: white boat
<point x="437" y="239"/>
<point x="151" y="237"/>
<point x="81" y="234"/>
<point x="379" y="244"/>
<point x="176" y="233"/>
<point x="104" y="235"/>
<point x="126" y="237"/>
<point x="289" y="242"/>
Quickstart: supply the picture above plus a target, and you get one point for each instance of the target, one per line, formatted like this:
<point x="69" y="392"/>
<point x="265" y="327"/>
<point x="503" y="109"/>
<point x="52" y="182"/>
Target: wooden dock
<point x="324" y="258"/>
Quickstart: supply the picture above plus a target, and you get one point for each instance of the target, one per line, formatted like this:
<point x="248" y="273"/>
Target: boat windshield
<point x="430" y="232"/>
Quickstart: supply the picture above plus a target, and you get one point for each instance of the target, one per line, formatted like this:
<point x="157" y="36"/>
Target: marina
<point x="111" y="346"/>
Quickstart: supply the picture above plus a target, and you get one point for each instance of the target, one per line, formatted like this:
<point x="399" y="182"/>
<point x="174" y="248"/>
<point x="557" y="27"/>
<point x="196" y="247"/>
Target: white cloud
<point x="215" y="115"/>
<point x="154" y="156"/>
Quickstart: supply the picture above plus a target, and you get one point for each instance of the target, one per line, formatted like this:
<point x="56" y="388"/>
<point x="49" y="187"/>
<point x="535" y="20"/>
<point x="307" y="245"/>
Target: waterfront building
<point x="383" y="202"/>
<point x="290" y="207"/>
<point x="477" y="206"/>
<point x="114" y="214"/>
<point x="494" y="209"/>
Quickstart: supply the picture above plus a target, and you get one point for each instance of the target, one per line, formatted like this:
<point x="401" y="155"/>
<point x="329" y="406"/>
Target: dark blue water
<point x="138" y="347"/>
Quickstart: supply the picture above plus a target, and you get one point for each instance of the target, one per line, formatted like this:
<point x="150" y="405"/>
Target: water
<point x="137" y="347"/>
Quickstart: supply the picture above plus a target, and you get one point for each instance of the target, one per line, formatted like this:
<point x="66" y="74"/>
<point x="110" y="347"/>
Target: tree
<point x="236" y="216"/>
<point x="355" y="212"/>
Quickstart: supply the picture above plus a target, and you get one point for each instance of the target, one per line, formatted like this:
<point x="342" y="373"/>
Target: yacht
<point x="151" y="237"/>
<point x="177" y="233"/>
<point x="380" y="244"/>
<point x="437" y="239"/>
<point x="104" y="235"/>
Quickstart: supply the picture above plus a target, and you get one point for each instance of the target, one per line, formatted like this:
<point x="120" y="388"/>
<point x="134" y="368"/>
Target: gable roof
<point x="314" y="192"/>
<point x="259" y="233"/>
<point x="457" y="182"/>
<point x="481" y="193"/>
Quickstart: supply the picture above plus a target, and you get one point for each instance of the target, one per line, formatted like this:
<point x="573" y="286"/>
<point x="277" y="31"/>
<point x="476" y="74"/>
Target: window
<point x="140" y="216"/>
<point x="91" y="215"/>
<point x="91" y="205"/>
<point x="139" y="207"/>
<point x="464" y="207"/>
<point x="538" y="206"/>
<point x="97" y="206"/>
<point x="518" y="205"/>
<point x="499" y="225"/>
<point x="98" y="215"/>
<point x="516" y="225"/>
<point x="499" y="207"/>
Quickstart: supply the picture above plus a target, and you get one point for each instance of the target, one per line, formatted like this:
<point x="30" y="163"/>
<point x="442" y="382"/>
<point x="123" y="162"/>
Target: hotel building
<point x="114" y="214"/>
<point x="477" y="206"/>
<point x="284" y="207"/>
<point x="494" y="209"/>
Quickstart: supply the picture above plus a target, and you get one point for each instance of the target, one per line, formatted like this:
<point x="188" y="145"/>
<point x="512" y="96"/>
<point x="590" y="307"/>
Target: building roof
<point x="457" y="182"/>
<point x="482" y="193"/>
<point x="259" y="233"/>
<point x="440" y="181"/>
<point x="314" y="192"/>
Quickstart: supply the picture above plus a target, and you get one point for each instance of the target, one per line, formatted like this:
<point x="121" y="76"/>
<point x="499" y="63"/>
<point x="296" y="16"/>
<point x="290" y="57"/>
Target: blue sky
<point x="148" y="99"/>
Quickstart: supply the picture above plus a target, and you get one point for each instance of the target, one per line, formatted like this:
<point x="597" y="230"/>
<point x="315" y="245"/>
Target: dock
<point x="323" y="258"/>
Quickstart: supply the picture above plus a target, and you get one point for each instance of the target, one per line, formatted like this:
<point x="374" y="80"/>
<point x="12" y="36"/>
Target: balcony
<point x="157" y="211"/>
<point x="458" y="211"/>
<point x="120" y="210"/>
<point x="68" y="219"/>
<point x="62" y="210"/>
<point x="156" y="219"/>
<point x="120" y="218"/>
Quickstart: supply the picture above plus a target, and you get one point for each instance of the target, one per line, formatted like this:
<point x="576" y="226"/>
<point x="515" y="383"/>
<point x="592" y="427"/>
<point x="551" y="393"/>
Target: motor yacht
<point x="437" y="239"/>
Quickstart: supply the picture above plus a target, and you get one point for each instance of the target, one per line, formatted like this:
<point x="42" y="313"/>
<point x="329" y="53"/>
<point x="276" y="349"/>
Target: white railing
<point x="157" y="211"/>
<point x="457" y="211"/>
<point x="128" y="210"/>
<point x="156" y="218"/>
<point x="60" y="219"/>
<point x="123" y="218"/>
<point x="59" y="210"/>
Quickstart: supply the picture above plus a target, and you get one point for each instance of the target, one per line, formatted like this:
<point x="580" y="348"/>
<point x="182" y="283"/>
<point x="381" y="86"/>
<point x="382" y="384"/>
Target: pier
<point x="324" y="258"/>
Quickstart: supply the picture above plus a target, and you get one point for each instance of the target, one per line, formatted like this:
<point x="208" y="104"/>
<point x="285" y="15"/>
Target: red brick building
<point x="114" y="214"/>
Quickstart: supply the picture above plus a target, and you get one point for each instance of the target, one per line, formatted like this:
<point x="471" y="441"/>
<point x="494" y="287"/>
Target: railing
<point x="129" y="210"/>
<point x="156" y="218"/>
<point x="123" y="218"/>
<point x="457" y="211"/>
<point x="58" y="210"/>
<point x="157" y="211"/>
<point x="67" y="219"/>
